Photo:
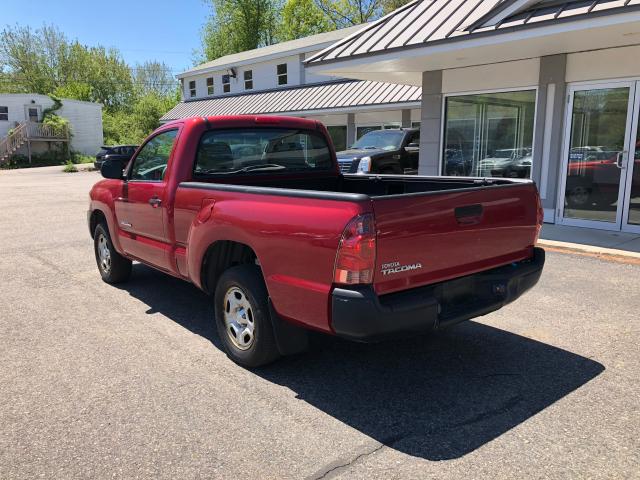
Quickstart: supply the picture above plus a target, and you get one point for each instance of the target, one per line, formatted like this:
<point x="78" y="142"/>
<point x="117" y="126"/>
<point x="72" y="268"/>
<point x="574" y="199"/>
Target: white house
<point x="85" y="119"/>
<point x="274" y="80"/>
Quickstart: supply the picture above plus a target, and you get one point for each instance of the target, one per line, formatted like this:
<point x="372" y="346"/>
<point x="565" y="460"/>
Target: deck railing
<point x="30" y="131"/>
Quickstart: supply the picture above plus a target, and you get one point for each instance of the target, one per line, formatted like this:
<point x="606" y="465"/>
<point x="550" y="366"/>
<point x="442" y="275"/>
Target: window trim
<point x="210" y="87"/>
<point x="248" y="80"/>
<point x="192" y="91"/>
<point x="226" y="86"/>
<point x="280" y="75"/>
<point x="5" y="113"/>
<point x="133" y="159"/>
<point x="443" y="120"/>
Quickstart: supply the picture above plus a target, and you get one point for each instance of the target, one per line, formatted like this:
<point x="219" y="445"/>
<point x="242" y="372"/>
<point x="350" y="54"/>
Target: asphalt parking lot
<point x="130" y="382"/>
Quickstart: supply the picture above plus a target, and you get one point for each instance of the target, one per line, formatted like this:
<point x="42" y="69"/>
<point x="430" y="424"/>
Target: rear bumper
<point x="359" y="314"/>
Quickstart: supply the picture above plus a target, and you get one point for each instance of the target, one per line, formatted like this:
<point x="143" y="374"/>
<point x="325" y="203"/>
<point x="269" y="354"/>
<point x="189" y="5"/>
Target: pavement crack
<point x="335" y="467"/>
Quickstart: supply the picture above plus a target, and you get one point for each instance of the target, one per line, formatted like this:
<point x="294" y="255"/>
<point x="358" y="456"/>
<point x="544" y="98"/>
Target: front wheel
<point x="113" y="267"/>
<point x="242" y="317"/>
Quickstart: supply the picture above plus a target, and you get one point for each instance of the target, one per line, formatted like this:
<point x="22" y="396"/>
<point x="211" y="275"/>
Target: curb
<point x="609" y="254"/>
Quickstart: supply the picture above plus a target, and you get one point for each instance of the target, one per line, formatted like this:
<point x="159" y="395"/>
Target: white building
<point x="85" y="119"/>
<point x="537" y="88"/>
<point x="274" y="80"/>
<point x="546" y="88"/>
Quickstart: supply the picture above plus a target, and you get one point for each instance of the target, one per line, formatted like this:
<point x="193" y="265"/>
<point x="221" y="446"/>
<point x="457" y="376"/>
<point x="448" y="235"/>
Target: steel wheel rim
<point x="104" y="254"/>
<point x="238" y="318"/>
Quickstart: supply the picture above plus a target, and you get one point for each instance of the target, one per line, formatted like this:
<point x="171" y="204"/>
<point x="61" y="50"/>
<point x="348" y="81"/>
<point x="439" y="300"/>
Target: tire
<point x="578" y="197"/>
<point x="242" y="317"/>
<point x="113" y="267"/>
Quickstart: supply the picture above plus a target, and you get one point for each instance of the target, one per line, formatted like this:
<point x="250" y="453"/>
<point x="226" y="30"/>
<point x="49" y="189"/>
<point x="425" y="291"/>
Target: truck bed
<point x="445" y="227"/>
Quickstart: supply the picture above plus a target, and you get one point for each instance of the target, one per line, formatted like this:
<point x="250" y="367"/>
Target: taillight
<point x="356" y="257"/>
<point x="540" y="219"/>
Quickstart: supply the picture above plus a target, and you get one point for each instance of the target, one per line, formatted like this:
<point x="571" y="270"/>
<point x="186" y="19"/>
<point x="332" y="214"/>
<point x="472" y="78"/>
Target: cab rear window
<point x="261" y="150"/>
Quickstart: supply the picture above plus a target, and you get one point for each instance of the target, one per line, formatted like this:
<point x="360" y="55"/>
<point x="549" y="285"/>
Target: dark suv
<point x="122" y="152"/>
<point x="392" y="151"/>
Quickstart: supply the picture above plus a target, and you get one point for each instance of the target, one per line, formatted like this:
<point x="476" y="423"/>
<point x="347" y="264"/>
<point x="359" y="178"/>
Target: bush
<point x="70" y="167"/>
<point x="47" y="159"/>
<point x="77" y="158"/>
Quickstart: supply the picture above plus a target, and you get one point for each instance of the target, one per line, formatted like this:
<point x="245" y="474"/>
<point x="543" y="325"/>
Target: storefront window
<point x="489" y="134"/>
<point x="338" y="135"/>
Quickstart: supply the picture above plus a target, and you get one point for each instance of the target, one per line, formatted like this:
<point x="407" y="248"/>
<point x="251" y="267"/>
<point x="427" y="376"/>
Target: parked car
<point x="507" y="162"/>
<point x="456" y="163"/>
<point x="285" y="243"/>
<point x="391" y="151"/>
<point x="123" y="152"/>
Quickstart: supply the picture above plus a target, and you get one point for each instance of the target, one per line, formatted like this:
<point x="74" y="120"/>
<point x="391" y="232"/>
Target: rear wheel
<point x="113" y="267"/>
<point x="242" y="317"/>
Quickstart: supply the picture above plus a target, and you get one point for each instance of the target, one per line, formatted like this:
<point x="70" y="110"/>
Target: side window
<point x="282" y="74"/>
<point x="151" y="163"/>
<point x="4" y="113"/>
<point x="414" y="138"/>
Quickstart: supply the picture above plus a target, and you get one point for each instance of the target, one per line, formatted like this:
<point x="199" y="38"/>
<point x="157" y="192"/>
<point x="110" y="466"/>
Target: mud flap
<point x="290" y="338"/>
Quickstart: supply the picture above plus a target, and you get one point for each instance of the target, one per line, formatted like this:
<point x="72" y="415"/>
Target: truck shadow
<point x="437" y="397"/>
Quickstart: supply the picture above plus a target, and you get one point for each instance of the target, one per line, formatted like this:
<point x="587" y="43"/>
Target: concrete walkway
<point x="589" y="240"/>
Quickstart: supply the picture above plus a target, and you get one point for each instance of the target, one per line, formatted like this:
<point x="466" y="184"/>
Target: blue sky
<point x="142" y="30"/>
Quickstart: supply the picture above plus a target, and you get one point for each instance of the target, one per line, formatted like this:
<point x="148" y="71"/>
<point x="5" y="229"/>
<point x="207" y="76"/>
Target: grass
<point x="70" y="167"/>
<point x="46" y="160"/>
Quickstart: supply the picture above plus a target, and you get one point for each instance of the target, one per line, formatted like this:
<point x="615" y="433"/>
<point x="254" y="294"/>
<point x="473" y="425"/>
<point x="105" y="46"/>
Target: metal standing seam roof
<point x="277" y="49"/>
<point x="325" y="96"/>
<point x="423" y="22"/>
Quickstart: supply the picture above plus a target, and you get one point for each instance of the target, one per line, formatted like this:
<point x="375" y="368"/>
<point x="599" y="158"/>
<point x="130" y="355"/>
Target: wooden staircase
<point x="28" y="132"/>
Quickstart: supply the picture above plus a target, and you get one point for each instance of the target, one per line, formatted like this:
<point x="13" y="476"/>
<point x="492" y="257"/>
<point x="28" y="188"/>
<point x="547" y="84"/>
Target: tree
<point x="389" y="6"/>
<point x="346" y="13"/>
<point x="301" y="18"/>
<point x="44" y="61"/>
<point x="238" y="25"/>
<point x="154" y="77"/>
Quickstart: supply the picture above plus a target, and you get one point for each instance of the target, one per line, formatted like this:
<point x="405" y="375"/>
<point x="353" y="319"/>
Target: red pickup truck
<point x="254" y="211"/>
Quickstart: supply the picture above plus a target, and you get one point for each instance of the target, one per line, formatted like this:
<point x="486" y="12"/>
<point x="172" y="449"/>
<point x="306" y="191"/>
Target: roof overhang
<point x="405" y="65"/>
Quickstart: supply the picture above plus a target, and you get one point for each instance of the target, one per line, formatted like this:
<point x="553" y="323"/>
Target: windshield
<point x="261" y="150"/>
<point x="380" y="139"/>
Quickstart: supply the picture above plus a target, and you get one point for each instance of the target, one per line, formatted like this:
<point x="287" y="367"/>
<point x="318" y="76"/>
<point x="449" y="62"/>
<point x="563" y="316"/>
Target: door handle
<point x="620" y="159"/>
<point x="155" y="202"/>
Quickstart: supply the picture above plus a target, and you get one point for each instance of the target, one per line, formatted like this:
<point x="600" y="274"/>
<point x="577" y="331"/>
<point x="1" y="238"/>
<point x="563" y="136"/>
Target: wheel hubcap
<point x="238" y="318"/>
<point x="104" y="254"/>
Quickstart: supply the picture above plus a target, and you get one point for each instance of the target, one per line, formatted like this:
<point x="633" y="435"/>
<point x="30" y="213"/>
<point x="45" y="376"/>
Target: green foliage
<point x="79" y="158"/>
<point x="69" y="167"/>
<point x="45" y="61"/>
<point x="75" y="90"/>
<point x="154" y="77"/>
<point x="131" y="127"/>
<point x="46" y="159"/>
<point x="238" y="25"/>
<point x="301" y="18"/>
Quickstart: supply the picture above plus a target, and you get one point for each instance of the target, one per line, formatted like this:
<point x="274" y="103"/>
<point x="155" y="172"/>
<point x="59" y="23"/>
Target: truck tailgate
<point x="431" y="237"/>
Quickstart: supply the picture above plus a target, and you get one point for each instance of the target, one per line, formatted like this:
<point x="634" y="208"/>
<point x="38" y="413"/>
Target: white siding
<point x="85" y="119"/>
<point x="518" y="74"/>
<point x="86" y="125"/>
<point x="264" y="78"/>
<point x="603" y="64"/>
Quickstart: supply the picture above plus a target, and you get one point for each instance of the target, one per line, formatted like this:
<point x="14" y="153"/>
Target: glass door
<point x="631" y="214"/>
<point x="596" y="155"/>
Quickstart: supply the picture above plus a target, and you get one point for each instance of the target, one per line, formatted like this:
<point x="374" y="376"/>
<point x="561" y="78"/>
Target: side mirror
<point x="113" y="168"/>
<point x="413" y="145"/>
